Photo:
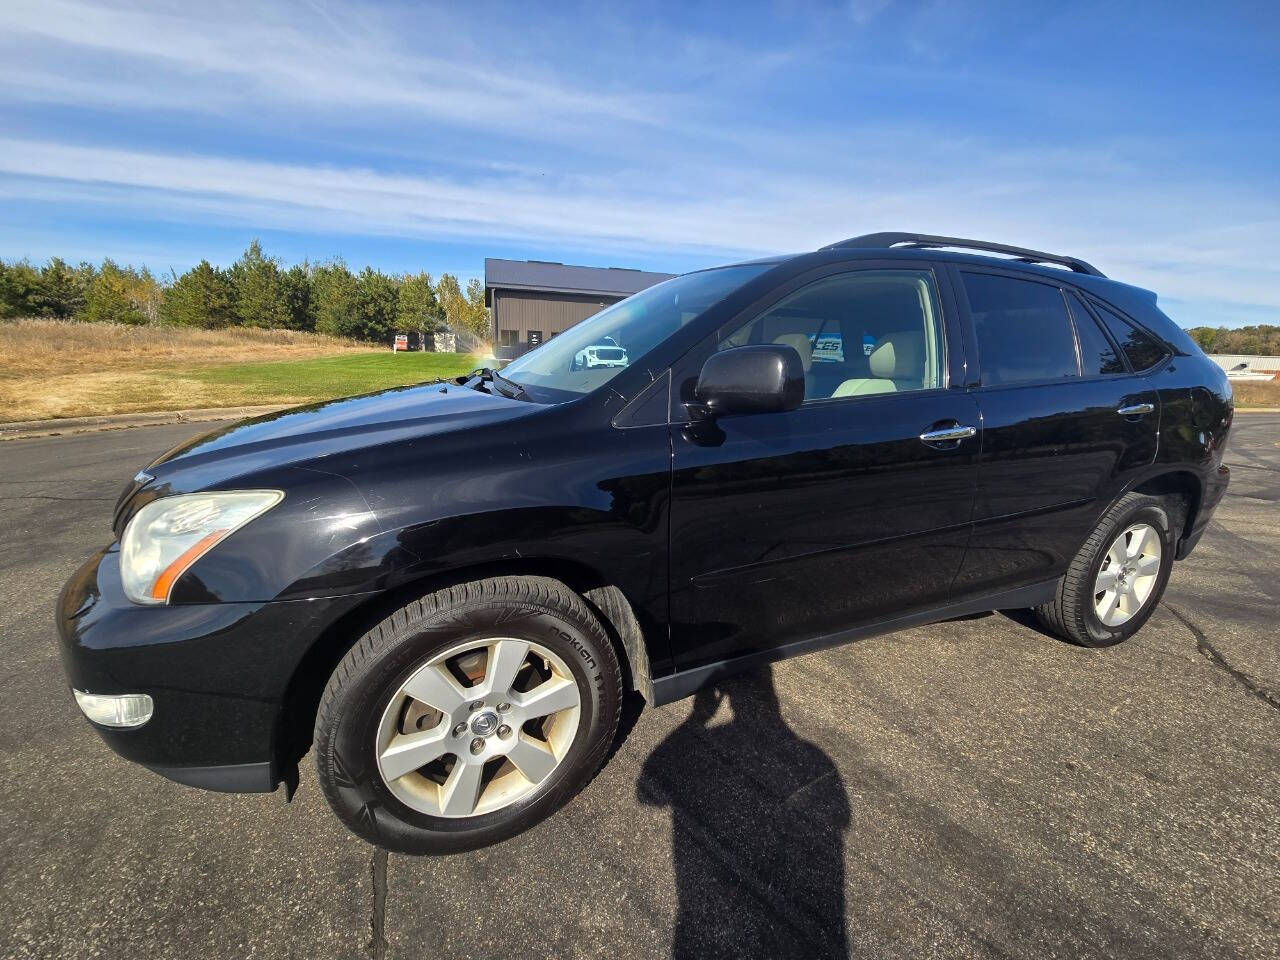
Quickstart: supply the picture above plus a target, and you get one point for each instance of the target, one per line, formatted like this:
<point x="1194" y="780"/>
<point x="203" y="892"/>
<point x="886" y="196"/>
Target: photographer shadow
<point x="758" y="820"/>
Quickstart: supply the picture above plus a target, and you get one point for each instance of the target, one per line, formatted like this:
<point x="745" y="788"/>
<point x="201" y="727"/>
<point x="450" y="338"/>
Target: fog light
<point x="125" y="710"/>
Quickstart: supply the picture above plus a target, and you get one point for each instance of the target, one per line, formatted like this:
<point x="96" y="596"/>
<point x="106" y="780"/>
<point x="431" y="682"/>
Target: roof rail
<point x="919" y="240"/>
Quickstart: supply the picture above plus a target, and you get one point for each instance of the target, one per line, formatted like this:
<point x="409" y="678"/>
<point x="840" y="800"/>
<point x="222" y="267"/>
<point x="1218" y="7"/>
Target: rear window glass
<point x="1143" y="351"/>
<point x="1097" y="356"/>
<point x="1023" y="329"/>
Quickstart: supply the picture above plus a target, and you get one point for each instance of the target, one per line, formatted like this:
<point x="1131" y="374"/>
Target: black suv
<point x="450" y="587"/>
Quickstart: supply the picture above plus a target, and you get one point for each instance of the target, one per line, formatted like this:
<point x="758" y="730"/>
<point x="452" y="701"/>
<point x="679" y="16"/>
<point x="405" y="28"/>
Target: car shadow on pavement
<point x="1027" y="618"/>
<point x="758" y="821"/>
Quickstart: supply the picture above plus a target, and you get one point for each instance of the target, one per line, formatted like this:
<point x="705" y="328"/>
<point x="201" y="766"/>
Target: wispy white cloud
<point x="429" y="136"/>
<point x="218" y="56"/>
<point x="747" y="213"/>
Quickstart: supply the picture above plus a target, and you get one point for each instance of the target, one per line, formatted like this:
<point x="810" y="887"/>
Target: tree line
<point x="327" y="297"/>
<point x="1261" y="340"/>
<point x="255" y="291"/>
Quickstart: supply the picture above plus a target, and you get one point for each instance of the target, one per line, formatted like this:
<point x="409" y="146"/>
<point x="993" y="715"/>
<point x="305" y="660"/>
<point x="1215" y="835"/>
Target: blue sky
<point x="1142" y="137"/>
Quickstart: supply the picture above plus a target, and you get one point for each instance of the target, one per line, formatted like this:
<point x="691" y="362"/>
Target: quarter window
<point x="1097" y="356"/>
<point x="1023" y="329"/>
<point x="859" y="333"/>
<point x="1143" y="351"/>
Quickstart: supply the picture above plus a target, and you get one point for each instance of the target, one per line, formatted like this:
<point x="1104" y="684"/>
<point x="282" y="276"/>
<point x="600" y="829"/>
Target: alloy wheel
<point x="478" y="727"/>
<point x="1128" y="574"/>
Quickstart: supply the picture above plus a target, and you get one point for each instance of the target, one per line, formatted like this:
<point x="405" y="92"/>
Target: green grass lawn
<point x="323" y="378"/>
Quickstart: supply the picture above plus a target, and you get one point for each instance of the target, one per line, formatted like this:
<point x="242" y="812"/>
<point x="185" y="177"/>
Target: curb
<point x="23" y="429"/>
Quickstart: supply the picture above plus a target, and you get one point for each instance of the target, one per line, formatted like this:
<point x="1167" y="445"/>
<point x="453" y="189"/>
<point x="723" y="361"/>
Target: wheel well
<point x="621" y="621"/>
<point x="1181" y="484"/>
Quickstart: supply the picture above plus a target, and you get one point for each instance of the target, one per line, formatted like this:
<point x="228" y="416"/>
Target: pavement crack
<point x="378" y="913"/>
<point x="1215" y="657"/>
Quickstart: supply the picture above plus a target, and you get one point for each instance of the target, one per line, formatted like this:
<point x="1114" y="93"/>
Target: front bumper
<point x="219" y="673"/>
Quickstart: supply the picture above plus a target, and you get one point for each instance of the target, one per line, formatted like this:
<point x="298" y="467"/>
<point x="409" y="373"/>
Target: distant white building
<point x="1241" y="366"/>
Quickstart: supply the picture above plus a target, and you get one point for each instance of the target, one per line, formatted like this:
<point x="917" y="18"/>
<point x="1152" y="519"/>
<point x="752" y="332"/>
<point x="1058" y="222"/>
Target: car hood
<point x="336" y="426"/>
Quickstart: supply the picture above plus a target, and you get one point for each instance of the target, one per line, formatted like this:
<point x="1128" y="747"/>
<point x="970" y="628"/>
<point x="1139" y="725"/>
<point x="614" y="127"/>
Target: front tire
<point x="1118" y="577"/>
<point x="468" y="716"/>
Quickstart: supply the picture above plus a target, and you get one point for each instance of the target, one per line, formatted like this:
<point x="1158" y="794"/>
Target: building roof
<point x="1256" y="363"/>
<point x="565" y="278"/>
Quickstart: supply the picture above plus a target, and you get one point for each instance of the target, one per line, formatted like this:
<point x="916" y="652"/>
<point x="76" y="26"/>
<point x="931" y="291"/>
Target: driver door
<point x="788" y="527"/>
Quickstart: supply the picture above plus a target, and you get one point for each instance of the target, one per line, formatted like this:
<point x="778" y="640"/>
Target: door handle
<point x="958" y="432"/>
<point x="1136" y="409"/>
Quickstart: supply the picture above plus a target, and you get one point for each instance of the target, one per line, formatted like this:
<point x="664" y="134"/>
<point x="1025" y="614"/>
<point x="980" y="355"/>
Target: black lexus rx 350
<point x="449" y="588"/>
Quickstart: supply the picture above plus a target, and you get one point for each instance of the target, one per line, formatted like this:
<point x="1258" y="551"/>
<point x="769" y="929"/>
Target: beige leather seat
<point x="800" y="341"/>
<point x="897" y="363"/>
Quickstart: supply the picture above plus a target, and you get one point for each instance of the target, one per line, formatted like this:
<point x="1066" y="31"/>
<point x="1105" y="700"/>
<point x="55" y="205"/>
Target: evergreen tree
<point x="201" y="297"/>
<point x="19" y="283"/>
<point x="375" y="306"/>
<point x="295" y="285"/>
<point x="257" y="291"/>
<point x="333" y="299"/>
<point x="61" y="290"/>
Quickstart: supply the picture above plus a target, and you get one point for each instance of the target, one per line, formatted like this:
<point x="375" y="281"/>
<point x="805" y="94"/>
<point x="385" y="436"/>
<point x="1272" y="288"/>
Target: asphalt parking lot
<point x="973" y="788"/>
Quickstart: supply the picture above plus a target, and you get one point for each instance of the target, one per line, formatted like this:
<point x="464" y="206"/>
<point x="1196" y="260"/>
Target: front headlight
<point x="168" y="535"/>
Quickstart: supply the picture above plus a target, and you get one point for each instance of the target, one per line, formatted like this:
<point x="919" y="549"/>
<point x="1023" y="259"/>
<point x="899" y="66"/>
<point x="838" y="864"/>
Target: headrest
<point x="801" y="342"/>
<point x="898" y="356"/>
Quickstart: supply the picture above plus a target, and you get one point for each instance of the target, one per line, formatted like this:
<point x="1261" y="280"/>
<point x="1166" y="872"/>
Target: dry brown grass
<point x="111" y="391"/>
<point x="33" y="347"/>
<point x="1256" y="393"/>
<point x="52" y="368"/>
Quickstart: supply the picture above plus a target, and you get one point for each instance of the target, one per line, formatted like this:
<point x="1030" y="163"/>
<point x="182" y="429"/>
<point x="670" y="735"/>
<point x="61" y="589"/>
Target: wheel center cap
<point x="484" y="723"/>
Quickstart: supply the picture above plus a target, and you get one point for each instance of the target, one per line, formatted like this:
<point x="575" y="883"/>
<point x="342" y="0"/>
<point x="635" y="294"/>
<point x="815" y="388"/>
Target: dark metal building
<point x="533" y="300"/>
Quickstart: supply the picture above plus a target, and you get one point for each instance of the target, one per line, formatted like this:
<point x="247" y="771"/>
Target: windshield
<point x="599" y="348"/>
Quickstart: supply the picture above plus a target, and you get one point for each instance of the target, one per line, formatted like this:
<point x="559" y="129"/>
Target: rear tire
<point x="1118" y="577"/>
<point x="468" y="716"/>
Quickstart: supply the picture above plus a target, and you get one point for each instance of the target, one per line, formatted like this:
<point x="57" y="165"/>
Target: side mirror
<point x="763" y="378"/>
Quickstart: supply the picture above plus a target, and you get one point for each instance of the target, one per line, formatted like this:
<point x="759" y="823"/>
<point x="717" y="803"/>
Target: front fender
<point x="322" y="540"/>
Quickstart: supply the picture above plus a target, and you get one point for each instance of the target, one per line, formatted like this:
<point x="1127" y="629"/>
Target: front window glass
<point x="858" y="333"/>
<point x="596" y="350"/>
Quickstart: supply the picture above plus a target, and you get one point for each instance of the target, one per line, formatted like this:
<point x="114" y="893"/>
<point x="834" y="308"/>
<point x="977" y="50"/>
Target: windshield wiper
<point x="484" y="374"/>
<point x="518" y="392"/>
<point x="498" y="381"/>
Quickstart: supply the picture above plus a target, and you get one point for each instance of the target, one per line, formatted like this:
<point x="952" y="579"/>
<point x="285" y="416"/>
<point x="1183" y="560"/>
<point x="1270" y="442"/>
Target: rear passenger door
<point x="1066" y="425"/>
